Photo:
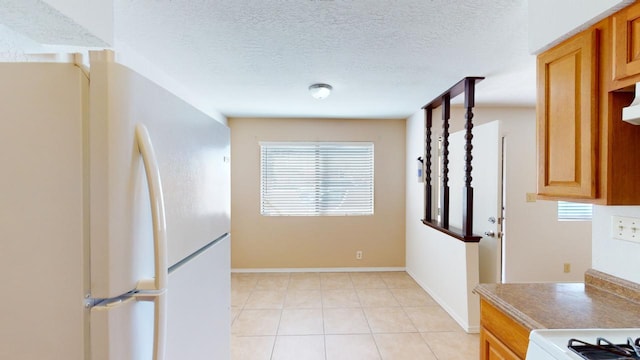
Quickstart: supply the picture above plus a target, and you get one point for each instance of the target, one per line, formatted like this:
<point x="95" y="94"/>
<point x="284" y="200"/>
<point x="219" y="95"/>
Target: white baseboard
<point x="463" y="323"/>
<point x="346" y="269"/>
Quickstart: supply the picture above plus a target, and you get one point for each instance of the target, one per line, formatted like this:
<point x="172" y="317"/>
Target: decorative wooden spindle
<point x="444" y="202"/>
<point x="428" y="200"/>
<point x="467" y="195"/>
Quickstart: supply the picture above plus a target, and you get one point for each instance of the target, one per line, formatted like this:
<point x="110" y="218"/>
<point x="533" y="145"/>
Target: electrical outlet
<point x="625" y="228"/>
<point x="359" y="255"/>
<point x="567" y="267"/>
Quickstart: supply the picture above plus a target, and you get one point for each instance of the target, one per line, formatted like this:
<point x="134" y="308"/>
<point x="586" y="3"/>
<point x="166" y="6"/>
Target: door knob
<point x="489" y="233"/>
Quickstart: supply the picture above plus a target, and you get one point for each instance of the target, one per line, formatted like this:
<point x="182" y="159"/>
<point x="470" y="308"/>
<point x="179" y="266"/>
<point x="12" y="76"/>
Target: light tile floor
<point x="333" y="316"/>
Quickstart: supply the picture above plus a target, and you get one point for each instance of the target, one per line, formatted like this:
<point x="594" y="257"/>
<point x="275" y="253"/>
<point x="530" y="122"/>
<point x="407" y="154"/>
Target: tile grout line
<point x="324" y="328"/>
<point x="419" y="332"/>
<point x="399" y="284"/>
<point x="286" y="293"/>
<point x="364" y="313"/>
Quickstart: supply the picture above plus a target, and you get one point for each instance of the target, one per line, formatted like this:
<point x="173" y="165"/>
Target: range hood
<point x="631" y="113"/>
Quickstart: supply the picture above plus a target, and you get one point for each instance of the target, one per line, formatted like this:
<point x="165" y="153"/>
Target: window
<point x="574" y="211"/>
<point x="316" y="178"/>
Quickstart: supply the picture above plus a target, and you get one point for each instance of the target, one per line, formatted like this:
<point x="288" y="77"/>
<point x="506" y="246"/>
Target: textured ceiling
<point x="43" y="24"/>
<point x="384" y="58"/>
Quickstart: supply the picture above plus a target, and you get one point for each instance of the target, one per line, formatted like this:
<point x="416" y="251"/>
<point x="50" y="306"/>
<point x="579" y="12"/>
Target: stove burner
<point x="605" y="350"/>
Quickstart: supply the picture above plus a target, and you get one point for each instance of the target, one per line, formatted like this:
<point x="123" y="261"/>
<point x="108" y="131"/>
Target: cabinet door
<point x="568" y="118"/>
<point x="493" y="349"/>
<point x="626" y="42"/>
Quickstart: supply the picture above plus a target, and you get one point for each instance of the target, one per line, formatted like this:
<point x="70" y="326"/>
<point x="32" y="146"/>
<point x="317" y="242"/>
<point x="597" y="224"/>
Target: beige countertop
<point x="602" y="301"/>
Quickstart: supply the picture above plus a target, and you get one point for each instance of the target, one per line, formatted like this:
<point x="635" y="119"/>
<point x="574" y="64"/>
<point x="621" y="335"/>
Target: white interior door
<point x="487" y="192"/>
<point x="487" y="179"/>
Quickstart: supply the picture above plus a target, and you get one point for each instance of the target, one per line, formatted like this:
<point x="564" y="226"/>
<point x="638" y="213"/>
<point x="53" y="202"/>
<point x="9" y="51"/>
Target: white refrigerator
<point x="114" y="217"/>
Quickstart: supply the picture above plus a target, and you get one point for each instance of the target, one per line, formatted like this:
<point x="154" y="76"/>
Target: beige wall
<point x="324" y="241"/>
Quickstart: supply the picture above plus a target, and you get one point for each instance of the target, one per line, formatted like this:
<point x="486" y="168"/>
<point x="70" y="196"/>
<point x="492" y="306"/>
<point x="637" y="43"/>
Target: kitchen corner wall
<point x="537" y="245"/>
<point x="273" y="242"/>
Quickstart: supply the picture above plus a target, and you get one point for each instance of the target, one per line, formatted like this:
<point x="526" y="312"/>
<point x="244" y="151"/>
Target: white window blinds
<point x="316" y="178"/>
<point x="574" y="211"/>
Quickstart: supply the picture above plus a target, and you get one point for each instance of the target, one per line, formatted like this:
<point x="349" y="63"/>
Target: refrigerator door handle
<point x="157" y="211"/>
<point x="155" y="289"/>
<point x="159" y="298"/>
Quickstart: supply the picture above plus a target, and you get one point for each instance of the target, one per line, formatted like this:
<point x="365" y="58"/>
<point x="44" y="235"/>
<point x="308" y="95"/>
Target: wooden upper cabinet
<point x="586" y="152"/>
<point x="567" y="123"/>
<point x="626" y="42"/>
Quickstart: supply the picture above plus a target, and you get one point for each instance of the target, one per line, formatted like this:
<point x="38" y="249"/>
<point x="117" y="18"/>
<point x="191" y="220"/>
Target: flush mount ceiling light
<point x="320" y="91"/>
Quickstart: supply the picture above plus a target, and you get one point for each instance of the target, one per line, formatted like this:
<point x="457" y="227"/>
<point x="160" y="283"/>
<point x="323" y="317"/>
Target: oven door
<point x="552" y="344"/>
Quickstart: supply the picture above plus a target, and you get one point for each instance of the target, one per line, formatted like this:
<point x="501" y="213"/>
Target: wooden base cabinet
<point x="501" y="337"/>
<point x="491" y="348"/>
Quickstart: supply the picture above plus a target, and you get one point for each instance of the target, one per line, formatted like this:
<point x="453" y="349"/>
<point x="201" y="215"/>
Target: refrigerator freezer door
<point x="121" y="225"/>
<point x="198" y="302"/>
<point x="192" y="151"/>
<point x="195" y="172"/>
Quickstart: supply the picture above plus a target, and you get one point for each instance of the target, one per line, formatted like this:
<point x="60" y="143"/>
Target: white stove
<point x="552" y="344"/>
